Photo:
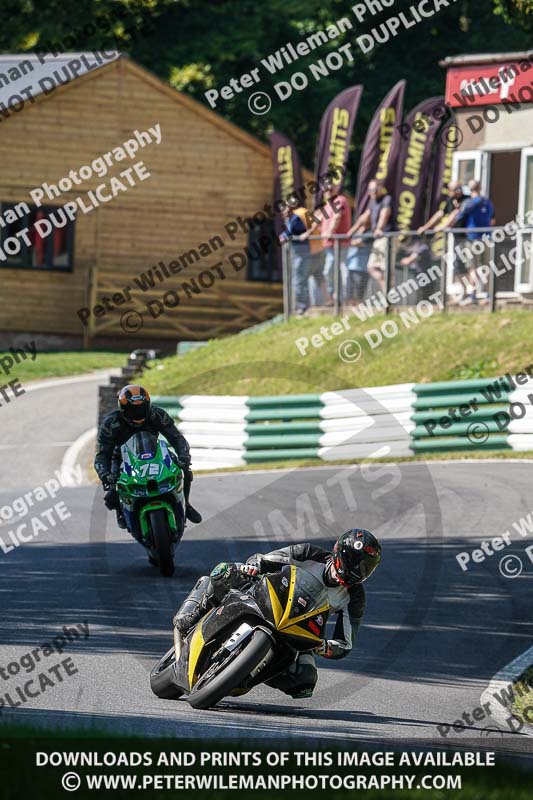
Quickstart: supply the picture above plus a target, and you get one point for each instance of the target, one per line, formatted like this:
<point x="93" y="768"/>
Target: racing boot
<point x="190" y="512"/>
<point x="193" y="607"/>
<point x="121" y="520"/>
<point x="299" y="680"/>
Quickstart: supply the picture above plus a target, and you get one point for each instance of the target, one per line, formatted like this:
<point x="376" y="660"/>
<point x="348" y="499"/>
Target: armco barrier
<point x="382" y="421"/>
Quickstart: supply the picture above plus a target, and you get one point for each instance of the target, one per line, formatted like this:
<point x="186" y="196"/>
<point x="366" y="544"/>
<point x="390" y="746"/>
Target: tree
<point x="198" y="45"/>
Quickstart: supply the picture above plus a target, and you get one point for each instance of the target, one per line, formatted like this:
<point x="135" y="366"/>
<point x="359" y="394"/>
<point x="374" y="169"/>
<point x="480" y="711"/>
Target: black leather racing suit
<point x="115" y="431"/>
<point x="348" y="603"/>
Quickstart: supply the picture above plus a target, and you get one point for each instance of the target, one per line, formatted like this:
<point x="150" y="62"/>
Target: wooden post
<point x="89" y="330"/>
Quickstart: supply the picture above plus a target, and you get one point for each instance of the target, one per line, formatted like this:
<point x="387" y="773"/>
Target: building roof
<point x="35" y="74"/>
<point x="485" y="58"/>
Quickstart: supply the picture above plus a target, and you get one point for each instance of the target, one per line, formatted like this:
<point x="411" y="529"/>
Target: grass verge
<point x="522" y="707"/>
<point x="58" y="365"/>
<point x="453" y="346"/>
<point x="479" y="455"/>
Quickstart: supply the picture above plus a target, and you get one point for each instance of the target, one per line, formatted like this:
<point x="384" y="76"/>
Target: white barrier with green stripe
<point x="382" y="421"/>
<point x="486" y="413"/>
<point x="228" y="431"/>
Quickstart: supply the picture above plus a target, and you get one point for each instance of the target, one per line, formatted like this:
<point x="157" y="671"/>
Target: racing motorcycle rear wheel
<point x="161" y="682"/>
<point x="233" y="671"/>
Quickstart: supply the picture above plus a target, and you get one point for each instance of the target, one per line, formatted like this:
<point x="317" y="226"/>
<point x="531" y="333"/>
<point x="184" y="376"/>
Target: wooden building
<point x="204" y="175"/>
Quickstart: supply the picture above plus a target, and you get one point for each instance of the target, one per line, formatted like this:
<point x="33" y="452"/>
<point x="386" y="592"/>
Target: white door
<point x="524" y="270"/>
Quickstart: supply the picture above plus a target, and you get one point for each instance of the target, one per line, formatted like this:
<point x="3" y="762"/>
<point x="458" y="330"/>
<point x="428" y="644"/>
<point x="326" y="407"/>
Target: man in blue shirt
<point x="294" y="227"/>
<point x="476" y="212"/>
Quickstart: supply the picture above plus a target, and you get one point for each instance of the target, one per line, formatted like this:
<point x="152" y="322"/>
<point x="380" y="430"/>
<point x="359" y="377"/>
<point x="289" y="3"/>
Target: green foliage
<point x="478" y="369"/>
<point x="516" y="12"/>
<point x="200" y="44"/>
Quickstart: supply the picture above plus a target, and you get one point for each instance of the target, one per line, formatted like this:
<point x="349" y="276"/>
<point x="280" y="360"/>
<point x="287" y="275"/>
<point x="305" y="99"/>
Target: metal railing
<point x="480" y="269"/>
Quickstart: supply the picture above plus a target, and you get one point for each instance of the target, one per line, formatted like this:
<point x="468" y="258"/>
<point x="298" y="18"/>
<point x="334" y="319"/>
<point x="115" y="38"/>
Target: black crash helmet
<point x="356" y="555"/>
<point x="134" y="403"/>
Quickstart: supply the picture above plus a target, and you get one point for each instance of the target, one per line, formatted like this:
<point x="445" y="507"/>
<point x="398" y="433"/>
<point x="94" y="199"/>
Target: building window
<point x="466" y="166"/>
<point x="263" y="253"/>
<point x="36" y="238"/>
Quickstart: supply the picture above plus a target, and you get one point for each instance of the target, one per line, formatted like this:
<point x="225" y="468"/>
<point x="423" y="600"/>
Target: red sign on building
<point x="489" y="84"/>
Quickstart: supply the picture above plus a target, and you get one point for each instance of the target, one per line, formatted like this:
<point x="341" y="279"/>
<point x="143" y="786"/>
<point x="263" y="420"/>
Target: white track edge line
<point x="505" y="676"/>
<point x="71" y="457"/>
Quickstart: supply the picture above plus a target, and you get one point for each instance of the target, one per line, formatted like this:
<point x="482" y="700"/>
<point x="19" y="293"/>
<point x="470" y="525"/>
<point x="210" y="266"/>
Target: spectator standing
<point x="445" y="218"/>
<point x="378" y="219"/>
<point x="294" y="229"/>
<point x="418" y="258"/>
<point x="476" y="211"/>
<point x="335" y="218"/>
<point x="356" y="268"/>
<point x="338" y="220"/>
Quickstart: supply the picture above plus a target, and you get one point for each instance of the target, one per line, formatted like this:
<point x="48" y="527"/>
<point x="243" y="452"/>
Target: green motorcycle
<point x="150" y="490"/>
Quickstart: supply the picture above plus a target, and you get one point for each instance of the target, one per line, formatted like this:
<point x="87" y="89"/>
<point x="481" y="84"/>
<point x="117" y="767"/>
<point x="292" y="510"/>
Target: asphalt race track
<point x="432" y="637"/>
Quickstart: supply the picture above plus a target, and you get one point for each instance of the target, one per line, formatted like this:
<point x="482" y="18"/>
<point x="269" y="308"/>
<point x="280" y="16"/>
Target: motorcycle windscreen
<point x="143" y="445"/>
<point x="296" y="602"/>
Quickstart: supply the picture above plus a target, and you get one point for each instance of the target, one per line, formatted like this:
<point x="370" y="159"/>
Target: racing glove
<point x="255" y="563"/>
<point x="324" y="649"/>
<point x="252" y="570"/>
<point x="111" y="499"/>
<point x="108" y="481"/>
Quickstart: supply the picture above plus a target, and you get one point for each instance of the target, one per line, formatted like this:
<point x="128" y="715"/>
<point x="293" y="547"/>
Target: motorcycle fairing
<point x="236" y="606"/>
<point x="278" y="599"/>
<point x="150" y="480"/>
<point x="297" y="602"/>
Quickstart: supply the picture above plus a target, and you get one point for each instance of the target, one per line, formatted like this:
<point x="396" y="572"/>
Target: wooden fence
<point x="188" y="307"/>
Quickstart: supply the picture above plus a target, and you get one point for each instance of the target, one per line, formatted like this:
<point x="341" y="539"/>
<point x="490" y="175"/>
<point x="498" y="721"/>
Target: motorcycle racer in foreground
<point x="354" y="557"/>
<point x="136" y="414"/>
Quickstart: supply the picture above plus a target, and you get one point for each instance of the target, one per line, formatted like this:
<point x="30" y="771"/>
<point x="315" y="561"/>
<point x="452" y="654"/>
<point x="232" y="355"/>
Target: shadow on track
<point x="454" y="631"/>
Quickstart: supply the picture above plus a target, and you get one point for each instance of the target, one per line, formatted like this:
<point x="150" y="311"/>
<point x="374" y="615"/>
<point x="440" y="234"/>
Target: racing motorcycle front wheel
<point x="161" y="537"/>
<point x="221" y="678"/>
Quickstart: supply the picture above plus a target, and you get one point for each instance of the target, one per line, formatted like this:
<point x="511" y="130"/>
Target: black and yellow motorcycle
<point x="256" y="633"/>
